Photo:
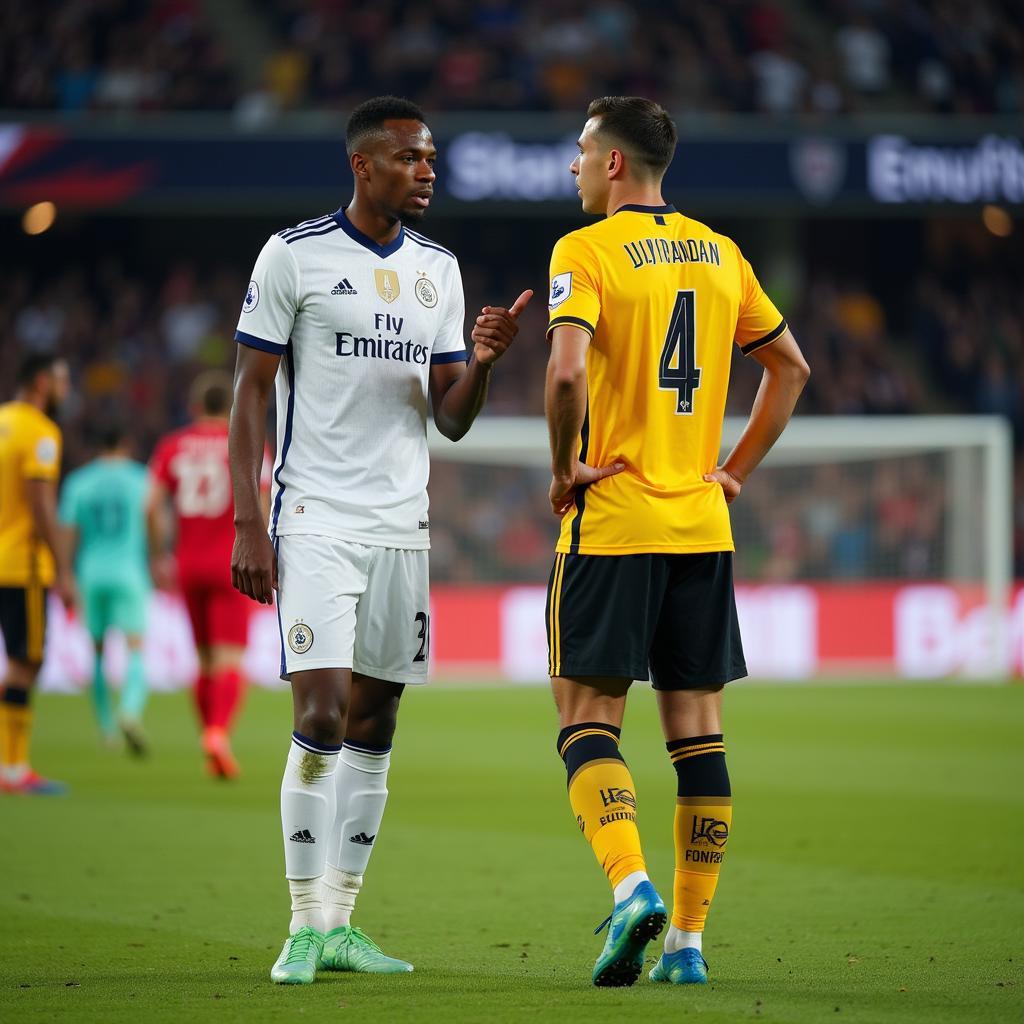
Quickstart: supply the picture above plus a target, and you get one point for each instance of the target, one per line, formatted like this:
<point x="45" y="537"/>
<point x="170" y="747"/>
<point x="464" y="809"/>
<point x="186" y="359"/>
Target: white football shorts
<point x="346" y="605"/>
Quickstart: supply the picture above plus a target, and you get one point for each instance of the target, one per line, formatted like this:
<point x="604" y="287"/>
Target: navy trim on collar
<point x="365" y="240"/>
<point x="634" y="208"/>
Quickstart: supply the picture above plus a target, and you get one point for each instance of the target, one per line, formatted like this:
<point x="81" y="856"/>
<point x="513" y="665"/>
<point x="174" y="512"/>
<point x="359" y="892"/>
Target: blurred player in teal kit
<point x="103" y="514"/>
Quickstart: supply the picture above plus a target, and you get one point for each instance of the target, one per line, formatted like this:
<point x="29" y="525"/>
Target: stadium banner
<point x="791" y="631"/>
<point x="516" y="165"/>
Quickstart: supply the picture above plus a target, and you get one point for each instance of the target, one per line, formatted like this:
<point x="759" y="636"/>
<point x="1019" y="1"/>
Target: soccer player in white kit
<point x="358" y="318"/>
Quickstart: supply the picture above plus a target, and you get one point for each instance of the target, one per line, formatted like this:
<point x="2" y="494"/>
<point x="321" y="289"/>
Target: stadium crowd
<point x="136" y="340"/>
<point x="733" y="55"/>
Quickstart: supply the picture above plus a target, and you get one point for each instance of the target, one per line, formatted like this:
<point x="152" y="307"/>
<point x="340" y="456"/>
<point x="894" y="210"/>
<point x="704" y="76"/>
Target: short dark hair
<point x="643" y="127"/>
<point x="33" y="364"/>
<point x="211" y="392"/>
<point x="369" y="116"/>
<point x="110" y="433"/>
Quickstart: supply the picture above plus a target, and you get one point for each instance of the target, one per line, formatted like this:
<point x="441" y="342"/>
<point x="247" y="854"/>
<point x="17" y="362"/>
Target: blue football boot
<point x="633" y="923"/>
<point x="683" y="967"/>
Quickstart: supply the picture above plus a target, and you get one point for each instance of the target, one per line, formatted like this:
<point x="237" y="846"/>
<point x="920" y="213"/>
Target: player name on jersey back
<point x="665" y="299"/>
<point x="358" y="326"/>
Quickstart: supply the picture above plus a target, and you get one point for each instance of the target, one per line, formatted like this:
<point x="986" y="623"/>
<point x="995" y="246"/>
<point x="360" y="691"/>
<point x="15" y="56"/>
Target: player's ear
<point x="615" y="163"/>
<point x="360" y="166"/>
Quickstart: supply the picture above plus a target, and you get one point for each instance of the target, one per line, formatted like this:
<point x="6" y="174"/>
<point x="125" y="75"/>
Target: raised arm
<point x="784" y="377"/>
<point x="253" y="565"/>
<point x="458" y="392"/>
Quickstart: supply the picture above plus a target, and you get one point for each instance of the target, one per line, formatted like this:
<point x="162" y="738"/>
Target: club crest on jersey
<point x="426" y="292"/>
<point x="300" y="638"/>
<point x="388" y="287"/>
<point x="561" y="289"/>
<point x="252" y="297"/>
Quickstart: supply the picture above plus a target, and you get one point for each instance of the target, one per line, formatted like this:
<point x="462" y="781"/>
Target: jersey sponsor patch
<point x="300" y="638"/>
<point x="252" y="297"/>
<point x="426" y="292"/>
<point x="561" y="289"/>
<point x="46" y="451"/>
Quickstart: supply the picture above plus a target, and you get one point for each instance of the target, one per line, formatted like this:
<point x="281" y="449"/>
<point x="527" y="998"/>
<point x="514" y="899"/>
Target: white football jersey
<point x="359" y="326"/>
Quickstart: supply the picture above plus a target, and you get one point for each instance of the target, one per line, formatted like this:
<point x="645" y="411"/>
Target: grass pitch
<point x="875" y="872"/>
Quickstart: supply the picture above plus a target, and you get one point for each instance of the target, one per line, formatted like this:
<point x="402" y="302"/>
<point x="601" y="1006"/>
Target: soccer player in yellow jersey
<point x="645" y="307"/>
<point x="31" y="559"/>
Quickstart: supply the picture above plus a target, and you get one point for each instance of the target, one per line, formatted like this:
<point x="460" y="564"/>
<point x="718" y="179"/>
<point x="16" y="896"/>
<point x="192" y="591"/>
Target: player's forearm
<point x="565" y="405"/>
<point x="68" y="540"/>
<point x="158" y="533"/>
<point x="43" y="501"/>
<point x="773" y="406"/>
<point x="463" y="401"/>
<point x="246" y="438"/>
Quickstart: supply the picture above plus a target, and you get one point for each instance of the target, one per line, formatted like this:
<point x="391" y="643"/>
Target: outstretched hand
<point x="495" y="328"/>
<point x="563" y="490"/>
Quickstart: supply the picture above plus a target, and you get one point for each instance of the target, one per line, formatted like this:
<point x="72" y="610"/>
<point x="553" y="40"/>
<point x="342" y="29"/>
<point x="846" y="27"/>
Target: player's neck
<point x="31" y="398"/>
<point x="374" y="224"/>
<point x="632" y="194"/>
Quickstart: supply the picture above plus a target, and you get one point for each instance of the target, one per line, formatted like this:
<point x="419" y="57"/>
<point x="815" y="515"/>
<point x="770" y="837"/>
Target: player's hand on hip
<point x="562" y="492"/>
<point x="495" y="329"/>
<point x="731" y="485"/>
<point x="254" y="564"/>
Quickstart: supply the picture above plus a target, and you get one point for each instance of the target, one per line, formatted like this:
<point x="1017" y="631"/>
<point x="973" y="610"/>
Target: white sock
<point x="625" y="888"/>
<point x="361" y="785"/>
<point x="307" y="909"/>
<point x="307" y="809"/>
<point x="339" y="892"/>
<point x="677" y="939"/>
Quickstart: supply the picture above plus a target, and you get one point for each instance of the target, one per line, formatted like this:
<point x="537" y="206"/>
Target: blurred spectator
<point x="734" y="55"/>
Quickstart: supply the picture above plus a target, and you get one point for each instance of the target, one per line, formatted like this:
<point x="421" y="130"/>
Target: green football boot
<point x="299" y="959"/>
<point x="351" y="949"/>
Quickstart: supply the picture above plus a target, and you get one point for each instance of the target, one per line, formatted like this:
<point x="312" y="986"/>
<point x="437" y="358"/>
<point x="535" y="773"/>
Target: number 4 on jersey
<point x="676" y="371"/>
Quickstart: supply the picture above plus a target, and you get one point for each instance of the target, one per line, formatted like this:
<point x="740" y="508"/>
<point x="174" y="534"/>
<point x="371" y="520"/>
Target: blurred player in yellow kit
<point x="30" y="555"/>
<point x="645" y="307"/>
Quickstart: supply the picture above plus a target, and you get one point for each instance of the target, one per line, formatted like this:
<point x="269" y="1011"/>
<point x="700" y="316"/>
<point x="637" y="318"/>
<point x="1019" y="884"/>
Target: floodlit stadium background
<point x="869" y="160"/>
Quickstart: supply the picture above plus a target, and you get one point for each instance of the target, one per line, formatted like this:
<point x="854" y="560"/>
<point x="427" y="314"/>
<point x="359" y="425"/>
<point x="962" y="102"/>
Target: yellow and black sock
<point x="602" y="796"/>
<point x="702" y="824"/>
<point x="17" y="727"/>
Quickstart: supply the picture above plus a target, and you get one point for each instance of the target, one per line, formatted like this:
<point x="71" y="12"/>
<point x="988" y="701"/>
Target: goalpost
<point x="843" y="505"/>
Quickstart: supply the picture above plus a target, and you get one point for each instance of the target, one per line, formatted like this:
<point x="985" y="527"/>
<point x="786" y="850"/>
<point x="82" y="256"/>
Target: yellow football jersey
<point x="30" y="445"/>
<point x="664" y="298"/>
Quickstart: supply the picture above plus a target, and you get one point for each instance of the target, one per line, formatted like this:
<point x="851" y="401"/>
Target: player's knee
<point x="322" y="724"/>
<point x="374" y="730"/>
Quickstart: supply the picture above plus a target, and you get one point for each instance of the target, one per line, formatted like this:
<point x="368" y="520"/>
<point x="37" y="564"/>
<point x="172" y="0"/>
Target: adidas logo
<point x="344" y="287"/>
<point x="302" y="836"/>
<point x="363" y="839"/>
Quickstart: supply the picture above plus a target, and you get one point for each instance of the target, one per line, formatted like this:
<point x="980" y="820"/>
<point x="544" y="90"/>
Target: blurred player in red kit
<point x="190" y="474"/>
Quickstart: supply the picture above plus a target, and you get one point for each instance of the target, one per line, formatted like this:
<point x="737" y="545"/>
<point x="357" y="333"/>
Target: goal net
<point x="866" y="547"/>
